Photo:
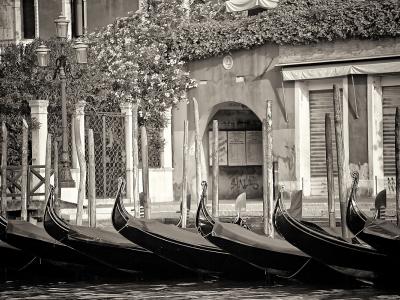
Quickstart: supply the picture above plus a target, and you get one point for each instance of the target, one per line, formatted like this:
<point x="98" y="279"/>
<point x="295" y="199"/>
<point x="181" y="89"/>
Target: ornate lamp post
<point x="42" y="53"/>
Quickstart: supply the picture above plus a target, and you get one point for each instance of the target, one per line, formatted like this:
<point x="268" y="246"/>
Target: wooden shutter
<point x="391" y="99"/>
<point x="321" y="102"/>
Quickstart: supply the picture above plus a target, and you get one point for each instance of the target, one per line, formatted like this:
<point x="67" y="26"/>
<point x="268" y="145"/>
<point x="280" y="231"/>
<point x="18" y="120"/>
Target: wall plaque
<point x="227" y="62"/>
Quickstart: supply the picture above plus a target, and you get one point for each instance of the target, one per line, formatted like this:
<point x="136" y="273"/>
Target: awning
<point x="241" y="5"/>
<point x="340" y="69"/>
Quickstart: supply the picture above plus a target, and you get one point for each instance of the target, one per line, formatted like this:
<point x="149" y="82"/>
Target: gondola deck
<point x="273" y="256"/>
<point x="353" y="259"/>
<point x="106" y="247"/>
<point x="182" y="247"/>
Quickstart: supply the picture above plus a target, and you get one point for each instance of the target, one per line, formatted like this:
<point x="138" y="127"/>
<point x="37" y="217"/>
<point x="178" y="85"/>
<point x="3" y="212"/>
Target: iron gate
<point x="109" y="150"/>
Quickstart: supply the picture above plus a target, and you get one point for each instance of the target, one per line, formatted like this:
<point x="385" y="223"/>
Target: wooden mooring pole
<point x="184" y="173"/>
<point x="56" y="184"/>
<point x="24" y="172"/>
<point x="92" y="181"/>
<point x="338" y="116"/>
<point x="4" y="148"/>
<point x="47" y="168"/>
<point x="82" y="172"/>
<point x="215" y="171"/>
<point x="397" y="158"/>
<point x="197" y="142"/>
<point x="329" y="171"/>
<point x="268" y="188"/>
<point x="145" y="173"/>
<point x="135" y="150"/>
<point x="275" y="179"/>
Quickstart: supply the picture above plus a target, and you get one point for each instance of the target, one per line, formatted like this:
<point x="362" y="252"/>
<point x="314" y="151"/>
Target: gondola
<point x="30" y="250"/>
<point x="382" y="235"/>
<point x="106" y="247"/>
<point x="356" y="260"/>
<point x="272" y="256"/>
<point x="11" y="258"/>
<point x="183" y="247"/>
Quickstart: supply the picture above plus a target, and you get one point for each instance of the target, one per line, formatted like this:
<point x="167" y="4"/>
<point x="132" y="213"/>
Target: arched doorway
<point x="240" y="151"/>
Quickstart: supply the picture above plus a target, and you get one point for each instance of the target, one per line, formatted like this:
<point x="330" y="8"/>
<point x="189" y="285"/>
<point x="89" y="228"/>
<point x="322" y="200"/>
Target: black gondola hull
<point x="200" y="260"/>
<point x="126" y="259"/>
<point x="272" y="256"/>
<point x="387" y="241"/>
<point x="195" y="254"/>
<point x="107" y="249"/>
<point x="354" y="260"/>
<point x="271" y="262"/>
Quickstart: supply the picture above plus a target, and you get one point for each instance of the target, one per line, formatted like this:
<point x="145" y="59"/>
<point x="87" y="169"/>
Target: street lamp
<point x="43" y="53"/>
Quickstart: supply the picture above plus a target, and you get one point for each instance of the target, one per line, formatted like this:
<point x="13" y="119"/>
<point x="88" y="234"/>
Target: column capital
<point x="39" y="106"/>
<point x="126" y="108"/>
<point x="80" y="108"/>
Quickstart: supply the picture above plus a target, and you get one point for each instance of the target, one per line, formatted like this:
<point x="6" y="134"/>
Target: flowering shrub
<point x="134" y="55"/>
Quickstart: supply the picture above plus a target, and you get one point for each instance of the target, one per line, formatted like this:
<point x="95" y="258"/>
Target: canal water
<point x="186" y="290"/>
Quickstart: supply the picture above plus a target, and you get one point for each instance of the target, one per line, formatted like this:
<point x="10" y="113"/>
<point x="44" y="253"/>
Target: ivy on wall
<point x="292" y="22"/>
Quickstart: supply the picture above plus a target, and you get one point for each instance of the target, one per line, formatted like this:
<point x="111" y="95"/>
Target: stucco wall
<point x="217" y="86"/>
<point x="103" y="12"/>
<point x="49" y="10"/>
<point x="7" y="21"/>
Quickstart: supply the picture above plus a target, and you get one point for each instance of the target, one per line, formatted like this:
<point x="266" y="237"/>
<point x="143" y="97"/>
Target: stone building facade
<point x="299" y="80"/>
<point x="234" y="88"/>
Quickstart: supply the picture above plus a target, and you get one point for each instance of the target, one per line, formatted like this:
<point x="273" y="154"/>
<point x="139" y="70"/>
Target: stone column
<point x="126" y="108"/>
<point x="39" y="135"/>
<point x="36" y="8"/>
<point x="71" y="194"/>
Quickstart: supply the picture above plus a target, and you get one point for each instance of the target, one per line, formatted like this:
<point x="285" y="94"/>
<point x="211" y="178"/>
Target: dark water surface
<point x="185" y="290"/>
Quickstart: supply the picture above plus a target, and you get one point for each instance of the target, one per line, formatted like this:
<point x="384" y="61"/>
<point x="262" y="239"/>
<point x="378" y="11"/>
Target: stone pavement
<point x="314" y="208"/>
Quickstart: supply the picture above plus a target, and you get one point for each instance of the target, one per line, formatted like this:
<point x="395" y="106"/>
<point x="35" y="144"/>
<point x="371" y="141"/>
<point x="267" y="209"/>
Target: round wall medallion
<point x="227" y="62"/>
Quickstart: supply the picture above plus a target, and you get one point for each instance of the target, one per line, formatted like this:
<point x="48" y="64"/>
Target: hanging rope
<point x="27" y="264"/>
<point x="297" y="272"/>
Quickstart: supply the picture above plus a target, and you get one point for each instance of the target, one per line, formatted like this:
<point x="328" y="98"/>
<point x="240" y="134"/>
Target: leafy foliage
<point x="22" y="80"/>
<point x="292" y="22"/>
<point x="134" y="55"/>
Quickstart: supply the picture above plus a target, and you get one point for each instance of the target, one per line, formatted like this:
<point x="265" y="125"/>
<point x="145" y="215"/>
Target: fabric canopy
<point x="241" y="5"/>
<point x="340" y="69"/>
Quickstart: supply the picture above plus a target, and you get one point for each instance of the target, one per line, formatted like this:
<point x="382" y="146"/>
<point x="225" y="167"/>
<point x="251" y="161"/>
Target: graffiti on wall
<point x="241" y="183"/>
<point x="286" y="162"/>
<point x="236" y="180"/>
